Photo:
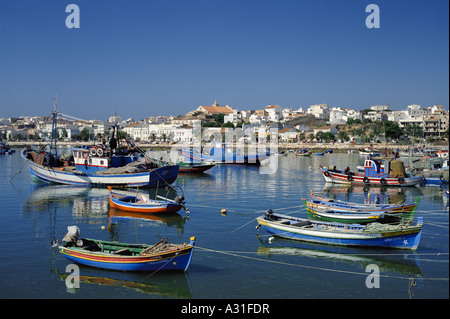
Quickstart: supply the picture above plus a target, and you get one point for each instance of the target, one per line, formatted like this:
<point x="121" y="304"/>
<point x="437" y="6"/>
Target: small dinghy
<point x="140" y="203"/>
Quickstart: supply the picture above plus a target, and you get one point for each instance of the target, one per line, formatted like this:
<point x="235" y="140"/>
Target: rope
<point x="308" y="267"/>
<point x="154" y="272"/>
<point x="20" y="171"/>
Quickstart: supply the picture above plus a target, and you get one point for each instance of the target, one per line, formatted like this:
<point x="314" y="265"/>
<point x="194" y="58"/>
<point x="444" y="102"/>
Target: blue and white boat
<point x="98" y="166"/>
<point x="399" y="236"/>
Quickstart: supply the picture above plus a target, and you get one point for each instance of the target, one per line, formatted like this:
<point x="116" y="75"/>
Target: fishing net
<point x="159" y="247"/>
<point x="378" y="227"/>
<point x="397" y="169"/>
<point x="133" y="167"/>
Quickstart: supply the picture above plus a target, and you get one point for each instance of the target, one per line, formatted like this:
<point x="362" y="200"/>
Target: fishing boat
<point x="98" y="165"/>
<point x="224" y="153"/>
<point x="356" y="216"/>
<point x="127" y="257"/>
<point x="320" y="202"/>
<point x="369" y="152"/>
<point x="303" y="152"/>
<point x="399" y="236"/>
<point x="193" y="167"/>
<point x="348" y="217"/>
<point x="140" y="203"/>
<point x="373" y="175"/>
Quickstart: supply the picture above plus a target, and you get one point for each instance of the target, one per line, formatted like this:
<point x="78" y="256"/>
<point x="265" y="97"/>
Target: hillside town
<point x="315" y="123"/>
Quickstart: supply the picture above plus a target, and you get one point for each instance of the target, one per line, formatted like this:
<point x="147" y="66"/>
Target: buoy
<point x="223" y="212"/>
<point x="103" y="227"/>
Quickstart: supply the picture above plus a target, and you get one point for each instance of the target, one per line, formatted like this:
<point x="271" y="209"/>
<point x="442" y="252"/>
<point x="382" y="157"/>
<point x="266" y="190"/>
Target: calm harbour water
<point x="232" y="258"/>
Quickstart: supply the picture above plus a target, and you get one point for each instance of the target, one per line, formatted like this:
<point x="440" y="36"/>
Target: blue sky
<point x="144" y="58"/>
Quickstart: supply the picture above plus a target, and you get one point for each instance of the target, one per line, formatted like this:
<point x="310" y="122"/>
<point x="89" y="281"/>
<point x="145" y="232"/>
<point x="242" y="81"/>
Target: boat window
<point x="101" y="162"/>
<point x="90" y="161"/>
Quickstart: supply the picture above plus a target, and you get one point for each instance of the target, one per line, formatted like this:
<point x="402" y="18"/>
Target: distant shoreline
<point x="340" y="147"/>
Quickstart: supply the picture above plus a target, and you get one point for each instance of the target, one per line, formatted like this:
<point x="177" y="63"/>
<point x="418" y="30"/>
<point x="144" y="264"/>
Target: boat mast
<point x="54" y="133"/>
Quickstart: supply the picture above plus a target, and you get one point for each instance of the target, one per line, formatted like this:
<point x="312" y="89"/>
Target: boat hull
<point x="339" y="235"/>
<point x="360" y="179"/>
<point x="155" y="207"/>
<point x="347" y="218"/>
<point x="178" y="260"/>
<point x="156" y="177"/>
<point x="200" y="168"/>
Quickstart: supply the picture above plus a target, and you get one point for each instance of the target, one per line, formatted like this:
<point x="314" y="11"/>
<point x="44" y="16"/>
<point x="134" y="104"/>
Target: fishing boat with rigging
<point x="375" y="174"/>
<point x="98" y="165"/>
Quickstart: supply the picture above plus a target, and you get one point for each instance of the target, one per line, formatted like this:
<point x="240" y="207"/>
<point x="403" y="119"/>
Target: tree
<point x="319" y="136"/>
<point x="84" y="134"/>
<point x="228" y="124"/>
<point x="413" y="130"/>
<point x="328" y="137"/>
<point x="343" y="136"/>
<point x="220" y="118"/>
<point x="352" y="121"/>
<point x="301" y="136"/>
<point x="392" y="130"/>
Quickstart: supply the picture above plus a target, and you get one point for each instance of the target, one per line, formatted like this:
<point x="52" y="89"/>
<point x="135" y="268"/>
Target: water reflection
<point x="160" y="285"/>
<point x="383" y="195"/>
<point x="406" y="264"/>
<point x="154" y="220"/>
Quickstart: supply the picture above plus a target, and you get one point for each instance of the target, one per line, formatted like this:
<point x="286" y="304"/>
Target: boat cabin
<point x="374" y="168"/>
<point x="93" y="159"/>
<point x="85" y="162"/>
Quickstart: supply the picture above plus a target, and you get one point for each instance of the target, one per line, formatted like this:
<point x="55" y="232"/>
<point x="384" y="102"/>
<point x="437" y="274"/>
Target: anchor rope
<point x="234" y="254"/>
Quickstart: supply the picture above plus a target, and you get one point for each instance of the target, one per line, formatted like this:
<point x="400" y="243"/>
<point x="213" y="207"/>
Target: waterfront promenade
<point x="338" y="147"/>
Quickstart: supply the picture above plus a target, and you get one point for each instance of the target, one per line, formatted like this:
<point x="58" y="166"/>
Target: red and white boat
<point x="373" y="175"/>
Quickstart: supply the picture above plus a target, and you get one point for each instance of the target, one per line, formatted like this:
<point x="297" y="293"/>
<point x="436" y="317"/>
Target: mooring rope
<point x="309" y="267"/>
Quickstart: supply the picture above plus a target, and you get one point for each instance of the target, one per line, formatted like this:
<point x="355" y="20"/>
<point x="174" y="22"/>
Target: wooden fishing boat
<point x="194" y="168"/>
<point x="140" y="203"/>
<point x="320" y="202"/>
<point x="373" y="175"/>
<point x="363" y="216"/>
<point x="149" y="176"/>
<point x="347" y="217"/>
<point x="98" y="165"/>
<point x="367" y="152"/>
<point x="303" y="152"/>
<point x="400" y="236"/>
<point x="129" y="257"/>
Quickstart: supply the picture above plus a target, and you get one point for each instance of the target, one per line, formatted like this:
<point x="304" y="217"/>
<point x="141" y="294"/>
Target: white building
<point x="274" y="112"/>
<point x="233" y="118"/>
<point x="379" y="108"/>
<point x="341" y="115"/>
<point x="320" y="111"/>
<point x="183" y="134"/>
